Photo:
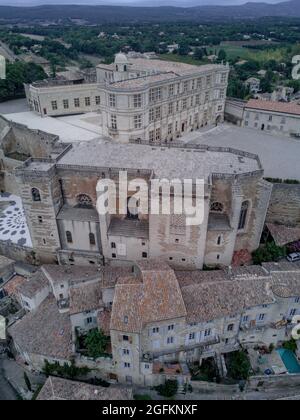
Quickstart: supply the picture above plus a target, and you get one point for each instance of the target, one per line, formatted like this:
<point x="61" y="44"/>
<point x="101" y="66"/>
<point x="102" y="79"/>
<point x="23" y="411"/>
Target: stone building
<point x="160" y="321"/>
<point x="153" y="100"/>
<point x="273" y="117"/>
<point x="139" y="98"/>
<point x="59" y="197"/>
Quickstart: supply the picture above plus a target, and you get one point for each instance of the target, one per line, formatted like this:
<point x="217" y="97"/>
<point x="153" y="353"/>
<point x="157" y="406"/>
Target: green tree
<point x="96" y="343"/>
<point x="168" y="390"/>
<point x="268" y="253"/>
<point x="239" y="366"/>
<point x="222" y="56"/>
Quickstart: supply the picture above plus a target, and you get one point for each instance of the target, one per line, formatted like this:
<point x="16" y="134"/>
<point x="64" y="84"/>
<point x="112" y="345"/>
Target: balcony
<point x="210" y="341"/>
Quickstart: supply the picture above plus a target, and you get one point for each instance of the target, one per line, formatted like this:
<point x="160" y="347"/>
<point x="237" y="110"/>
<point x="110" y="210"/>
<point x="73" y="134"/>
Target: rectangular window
<point x="137" y="101"/>
<point x="293" y="312"/>
<point x="114" y="125"/>
<point x="125" y="338"/>
<point x="87" y="101"/>
<point x="184" y="104"/>
<point x="208" y="81"/>
<point x="157" y="134"/>
<point x="77" y="103"/>
<point x="126" y="352"/>
<point x="245" y="318"/>
<point x="224" y="78"/>
<point x="199" y="83"/>
<point x="158" y="113"/>
<point x="197" y="99"/>
<point x="66" y="103"/>
<point x="170" y="128"/>
<point x="192" y="336"/>
<point x="151" y="115"/>
<point x="222" y="94"/>
<point x="151" y="135"/>
<point x="171" y="108"/>
<point x="171" y="327"/>
<point x="207" y="333"/>
<point x="171" y="90"/>
<point x="54" y="105"/>
<point x="112" y="100"/>
<point x="207" y="97"/>
<point x="97" y="100"/>
<point x="261" y="317"/>
<point x="170" y="340"/>
<point x="154" y="95"/>
<point x="155" y="330"/>
<point x="89" y="320"/>
<point x="137" y="121"/>
<point x="127" y="365"/>
<point x="185" y="87"/>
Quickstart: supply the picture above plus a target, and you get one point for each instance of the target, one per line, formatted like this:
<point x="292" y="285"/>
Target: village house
<point x="163" y="321"/>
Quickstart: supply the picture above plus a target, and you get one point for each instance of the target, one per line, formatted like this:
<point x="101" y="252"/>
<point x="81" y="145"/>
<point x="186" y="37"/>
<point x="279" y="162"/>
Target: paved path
<point x="14" y="106"/>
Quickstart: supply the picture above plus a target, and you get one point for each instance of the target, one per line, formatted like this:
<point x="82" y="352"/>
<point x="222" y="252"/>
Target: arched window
<point x="92" y="239"/>
<point x="132" y="209"/>
<point x="36" y="196"/>
<point x="69" y="237"/>
<point x="217" y="207"/>
<point x="84" y="201"/>
<point x="243" y="215"/>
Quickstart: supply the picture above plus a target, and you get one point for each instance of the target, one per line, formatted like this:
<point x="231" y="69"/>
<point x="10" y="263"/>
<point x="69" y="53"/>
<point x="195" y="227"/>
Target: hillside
<point x="125" y="14"/>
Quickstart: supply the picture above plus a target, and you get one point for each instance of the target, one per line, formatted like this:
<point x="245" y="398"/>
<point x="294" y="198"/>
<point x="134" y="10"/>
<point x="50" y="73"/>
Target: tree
<point x="239" y="366"/>
<point x="222" y="56"/>
<point x="96" y="343"/>
<point x="199" y="54"/>
<point x="268" y="253"/>
<point x="168" y="390"/>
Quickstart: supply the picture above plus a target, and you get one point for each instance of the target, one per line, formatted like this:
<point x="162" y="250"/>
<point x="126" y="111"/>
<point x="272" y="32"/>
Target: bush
<point x="239" y="366"/>
<point x="95" y="343"/>
<point x="290" y="345"/>
<point x="168" y="390"/>
<point x="66" y="371"/>
<point x="143" y="397"/>
<point x="269" y="252"/>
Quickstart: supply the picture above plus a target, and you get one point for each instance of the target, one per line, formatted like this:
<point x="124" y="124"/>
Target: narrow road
<point x="7" y="393"/>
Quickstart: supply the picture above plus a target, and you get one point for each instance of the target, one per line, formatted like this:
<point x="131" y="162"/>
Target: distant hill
<point x="127" y="14"/>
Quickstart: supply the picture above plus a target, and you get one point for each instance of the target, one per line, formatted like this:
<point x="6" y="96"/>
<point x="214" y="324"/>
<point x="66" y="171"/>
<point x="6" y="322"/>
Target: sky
<point x="182" y="3"/>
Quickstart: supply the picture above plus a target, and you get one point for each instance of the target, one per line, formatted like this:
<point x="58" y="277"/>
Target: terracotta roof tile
<point x="282" y="107"/>
<point x="62" y="389"/>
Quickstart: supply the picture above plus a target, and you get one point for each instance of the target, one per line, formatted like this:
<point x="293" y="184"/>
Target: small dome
<point x="121" y="59"/>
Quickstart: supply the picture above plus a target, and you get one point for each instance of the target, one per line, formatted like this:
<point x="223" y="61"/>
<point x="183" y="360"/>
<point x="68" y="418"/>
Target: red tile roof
<point x="272" y="106"/>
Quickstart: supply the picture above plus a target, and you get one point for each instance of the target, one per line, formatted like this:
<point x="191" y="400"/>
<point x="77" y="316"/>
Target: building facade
<point x="59" y="198"/>
<point x="140" y="99"/>
<point x="273" y="117"/>
<point x="160" y="322"/>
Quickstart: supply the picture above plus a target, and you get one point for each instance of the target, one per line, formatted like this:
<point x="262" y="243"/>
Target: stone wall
<point x="234" y="111"/>
<point x="285" y="205"/>
<point x="18" y="253"/>
<point x="273" y="382"/>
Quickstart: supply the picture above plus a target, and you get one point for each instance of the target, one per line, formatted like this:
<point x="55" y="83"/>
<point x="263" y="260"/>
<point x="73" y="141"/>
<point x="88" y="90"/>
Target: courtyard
<point x="279" y="154"/>
<point x="13" y="226"/>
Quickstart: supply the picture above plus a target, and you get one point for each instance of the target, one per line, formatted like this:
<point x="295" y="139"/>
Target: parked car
<point x="295" y="256"/>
